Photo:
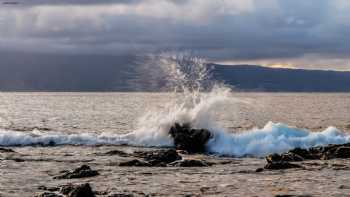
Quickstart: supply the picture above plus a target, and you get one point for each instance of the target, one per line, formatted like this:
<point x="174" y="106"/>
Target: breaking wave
<point x="196" y="100"/>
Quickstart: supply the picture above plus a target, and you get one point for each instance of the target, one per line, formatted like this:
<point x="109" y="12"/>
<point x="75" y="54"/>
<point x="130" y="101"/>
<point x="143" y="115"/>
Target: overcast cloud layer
<point x="293" y="33"/>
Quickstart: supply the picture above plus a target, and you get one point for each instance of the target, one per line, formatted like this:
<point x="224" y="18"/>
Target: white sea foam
<point x="194" y="104"/>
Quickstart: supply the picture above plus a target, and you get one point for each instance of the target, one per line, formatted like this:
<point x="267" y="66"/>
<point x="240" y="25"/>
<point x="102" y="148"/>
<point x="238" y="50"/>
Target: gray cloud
<point x="294" y="32"/>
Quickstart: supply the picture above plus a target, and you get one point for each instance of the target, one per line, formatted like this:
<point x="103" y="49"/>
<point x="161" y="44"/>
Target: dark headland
<point x="115" y="73"/>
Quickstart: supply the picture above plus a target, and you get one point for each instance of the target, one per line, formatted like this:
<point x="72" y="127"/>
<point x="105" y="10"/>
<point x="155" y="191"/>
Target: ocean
<point x="246" y="127"/>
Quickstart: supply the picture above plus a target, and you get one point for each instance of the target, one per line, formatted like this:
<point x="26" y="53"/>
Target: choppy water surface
<point x="119" y="112"/>
<point x="83" y="118"/>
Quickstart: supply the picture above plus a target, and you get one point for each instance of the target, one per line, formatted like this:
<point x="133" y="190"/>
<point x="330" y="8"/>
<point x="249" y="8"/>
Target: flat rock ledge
<point x="70" y="190"/>
<point x="81" y="172"/>
<point x="162" y="158"/>
<point x="287" y="160"/>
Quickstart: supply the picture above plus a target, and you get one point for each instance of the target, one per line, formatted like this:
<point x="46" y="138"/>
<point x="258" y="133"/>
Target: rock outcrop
<point x="70" y="190"/>
<point x="156" y="158"/>
<point x="282" y="161"/>
<point x="190" y="163"/>
<point x="190" y="139"/>
<point x="331" y="151"/>
<point x="81" y="172"/>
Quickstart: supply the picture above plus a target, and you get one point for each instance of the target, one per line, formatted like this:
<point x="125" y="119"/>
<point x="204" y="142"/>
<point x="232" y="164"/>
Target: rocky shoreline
<point x="188" y="141"/>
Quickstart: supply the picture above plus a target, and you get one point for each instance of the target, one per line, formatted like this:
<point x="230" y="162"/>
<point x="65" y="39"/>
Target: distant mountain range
<point x="111" y="73"/>
<point x="258" y="78"/>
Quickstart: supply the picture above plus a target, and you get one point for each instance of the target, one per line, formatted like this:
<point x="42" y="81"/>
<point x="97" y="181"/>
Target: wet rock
<point x="115" y="152"/>
<point x="121" y="195"/>
<point x="189" y="139"/>
<point x="135" y="162"/>
<point x="303" y="153"/>
<point x="287" y="157"/>
<point x="156" y="158"/>
<point x="190" y="163"/>
<point x="83" y="190"/>
<point x="81" y="172"/>
<point x="66" y="189"/>
<point x="292" y="195"/>
<point x="48" y="194"/>
<point x="51" y="189"/>
<point x="342" y="152"/>
<point x="6" y="150"/>
<point x="280" y="165"/>
<point x="162" y="156"/>
<point x="259" y="170"/>
<point x="344" y="187"/>
<point x="331" y="151"/>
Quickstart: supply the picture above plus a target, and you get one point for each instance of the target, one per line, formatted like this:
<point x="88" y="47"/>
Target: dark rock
<point x="66" y="189"/>
<point x="135" y="162"/>
<point x="190" y="163"/>
<point x="51" y="189"/>
<point x="303" y="153"/>
<point x="83" y="190"/>
<point x="121" y="195"/>
<point x="6" y="150"/>
<point x="189" y="139"/>
<point x="344" y="187"/>
<point x="17" y="159"/>
<point x="81" y="172"/>
<point x="116" y="152"/>
<point x="280" y="165"/>
<point x="156" y="158"/>
<point x="342" y="152"/>
<point x="48" y="194"/>
<point x="288" y="157"/>
<point x="292" y="195"/>
<point x="162" y="156"/>
<point x="273" y="158"/>
<point x="259" y="170"/>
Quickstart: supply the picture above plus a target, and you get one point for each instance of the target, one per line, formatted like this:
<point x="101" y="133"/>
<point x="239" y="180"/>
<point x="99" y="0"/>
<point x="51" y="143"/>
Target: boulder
<point x="81" y="172"/>
<point x="189" y="139"/>
<point x="83" y="190"/>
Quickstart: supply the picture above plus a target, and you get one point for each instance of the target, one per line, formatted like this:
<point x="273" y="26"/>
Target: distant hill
<point x="258" y="78"/>
<point x="28" y="72"/>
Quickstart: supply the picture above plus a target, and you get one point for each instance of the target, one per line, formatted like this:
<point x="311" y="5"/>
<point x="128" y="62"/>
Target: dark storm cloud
<point x="280" y="31"/>
<point x="66" y="2"/>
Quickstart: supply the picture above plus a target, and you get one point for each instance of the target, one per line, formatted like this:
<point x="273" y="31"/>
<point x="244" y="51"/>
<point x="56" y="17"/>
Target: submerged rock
<point x="135" y="162"/>
<point x="189" y="139"/>
<point x="81" y="172"/>
<point x="6" y="150"/>
<point x="115" y="152"/>
<point x="48" y="194"/>
<point x="190" y="163"/>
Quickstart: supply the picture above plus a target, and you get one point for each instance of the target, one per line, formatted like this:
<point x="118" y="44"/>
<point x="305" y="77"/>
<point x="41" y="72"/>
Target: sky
<point x="311" y="34"/>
